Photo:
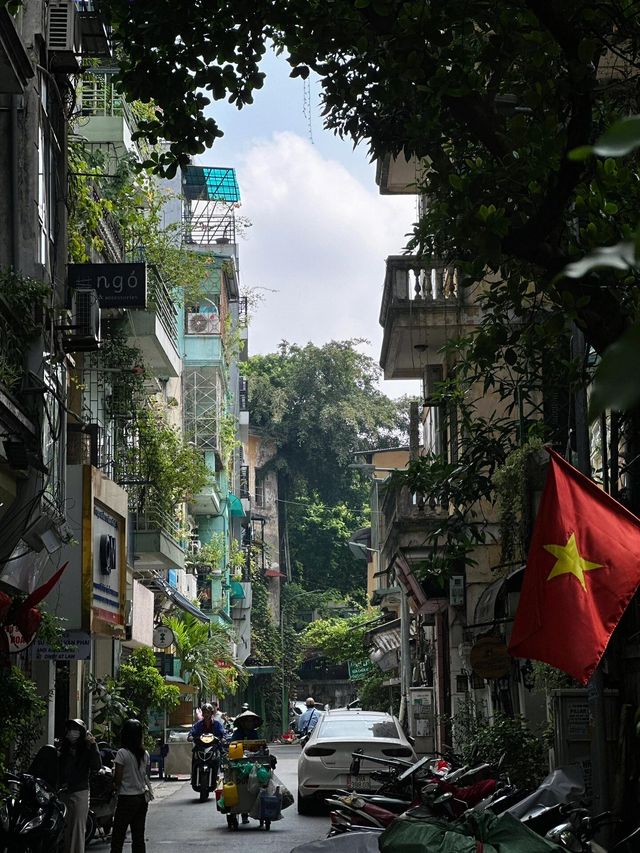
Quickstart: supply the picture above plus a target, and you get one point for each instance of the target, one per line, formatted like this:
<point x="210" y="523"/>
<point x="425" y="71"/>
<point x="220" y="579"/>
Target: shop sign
<point x="75" y="645"/>
<point x="360" y="669"/>
<point x="163" y="637"/>
<point x="116" y="285"/>
<point x="490" y="658"/>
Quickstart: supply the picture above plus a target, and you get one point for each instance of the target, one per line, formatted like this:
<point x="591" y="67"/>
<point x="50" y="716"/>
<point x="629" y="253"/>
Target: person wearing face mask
<point x="78" y="757"/>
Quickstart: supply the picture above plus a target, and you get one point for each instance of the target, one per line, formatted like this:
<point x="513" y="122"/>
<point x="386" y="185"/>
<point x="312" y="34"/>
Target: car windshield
<point x="358" y="729"/>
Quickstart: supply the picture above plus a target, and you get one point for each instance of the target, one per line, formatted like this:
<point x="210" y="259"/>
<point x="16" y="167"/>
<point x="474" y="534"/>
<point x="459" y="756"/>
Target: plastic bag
<point x="287" y="796"/>
<point x="256" y="809"/>
<point x="253" y="786"/>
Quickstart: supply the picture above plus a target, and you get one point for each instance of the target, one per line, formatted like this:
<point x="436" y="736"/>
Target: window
<point x="360" y="728"/>
<point x="46" y="174"/>
<point x="259" y="488"/>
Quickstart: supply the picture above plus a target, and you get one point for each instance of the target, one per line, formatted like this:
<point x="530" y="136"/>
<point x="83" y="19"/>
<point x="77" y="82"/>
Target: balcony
<point x="422" y="307"/>
<point x="207" y="501"/>
<point x="405" y="519"/>
<point x="95" y="33"/>
<point x="397" y="175"/>
<point x="156" y="541"/>
<point x="107" y="118"/>
<point x="204" y="349"/>
<point x="155" y="329"/>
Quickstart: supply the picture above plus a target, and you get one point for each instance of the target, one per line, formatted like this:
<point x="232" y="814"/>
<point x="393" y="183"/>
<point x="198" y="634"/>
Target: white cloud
<point x="320" y="238"/>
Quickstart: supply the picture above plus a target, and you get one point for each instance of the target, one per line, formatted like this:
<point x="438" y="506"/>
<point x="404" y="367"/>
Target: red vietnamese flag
<point x="583" y="568"/>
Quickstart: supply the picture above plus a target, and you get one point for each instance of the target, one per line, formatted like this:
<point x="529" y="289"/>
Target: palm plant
<point x="204" y="651"/>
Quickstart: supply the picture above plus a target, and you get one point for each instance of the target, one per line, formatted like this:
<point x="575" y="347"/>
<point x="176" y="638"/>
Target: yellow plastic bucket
<point x="230" y="795"/>
<point x="236" y="750"/>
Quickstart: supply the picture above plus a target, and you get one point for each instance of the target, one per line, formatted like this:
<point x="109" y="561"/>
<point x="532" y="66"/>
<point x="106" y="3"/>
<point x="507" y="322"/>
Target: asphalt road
<point x="176" y="821"/>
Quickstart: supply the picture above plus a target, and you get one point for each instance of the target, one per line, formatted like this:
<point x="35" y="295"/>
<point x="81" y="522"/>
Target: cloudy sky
<point x="320" y="232"/>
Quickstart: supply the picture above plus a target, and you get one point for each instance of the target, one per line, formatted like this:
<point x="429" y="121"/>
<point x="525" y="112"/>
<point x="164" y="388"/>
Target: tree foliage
<point x="142" y="686"/>
<point x="23" y="711"/>
<point x="491" y="98"/>
<point x="321" y="404"/>
<point x="339" y="640"/>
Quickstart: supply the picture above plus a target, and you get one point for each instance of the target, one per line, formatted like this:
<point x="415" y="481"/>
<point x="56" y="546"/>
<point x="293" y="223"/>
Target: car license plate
<point x="361" y="783"/>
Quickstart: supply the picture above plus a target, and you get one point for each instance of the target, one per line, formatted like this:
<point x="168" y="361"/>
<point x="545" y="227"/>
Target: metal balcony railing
<point x="154" y="519"/>
<point x="159" y="295"/>
<point x="98" y="97"/>
<point x="243" y="310"/>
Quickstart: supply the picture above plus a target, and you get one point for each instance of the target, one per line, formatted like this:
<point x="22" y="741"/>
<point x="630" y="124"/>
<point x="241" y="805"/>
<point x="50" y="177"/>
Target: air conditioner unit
<point x="63" y="36"/>
<point x="203" y="324"/>
<point x="83" y="334"/>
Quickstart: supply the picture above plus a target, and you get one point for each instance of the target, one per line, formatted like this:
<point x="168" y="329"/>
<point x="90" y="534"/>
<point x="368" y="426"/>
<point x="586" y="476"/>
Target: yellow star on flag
<point x="570" y="561"/>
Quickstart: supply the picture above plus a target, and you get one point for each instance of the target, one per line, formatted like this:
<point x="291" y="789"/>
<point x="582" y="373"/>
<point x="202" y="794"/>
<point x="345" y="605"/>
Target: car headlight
<point x="34" y="823"/>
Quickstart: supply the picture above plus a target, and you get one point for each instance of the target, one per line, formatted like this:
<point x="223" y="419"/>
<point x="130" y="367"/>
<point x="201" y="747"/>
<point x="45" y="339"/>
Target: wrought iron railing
<point x="154" y="519"/>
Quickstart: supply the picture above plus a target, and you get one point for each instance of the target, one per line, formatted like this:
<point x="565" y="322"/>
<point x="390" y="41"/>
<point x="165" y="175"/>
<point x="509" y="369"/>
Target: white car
<point x="325" y="761"/>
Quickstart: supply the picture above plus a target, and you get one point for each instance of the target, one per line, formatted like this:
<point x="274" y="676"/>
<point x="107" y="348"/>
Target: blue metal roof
<point x="211" y="183"/>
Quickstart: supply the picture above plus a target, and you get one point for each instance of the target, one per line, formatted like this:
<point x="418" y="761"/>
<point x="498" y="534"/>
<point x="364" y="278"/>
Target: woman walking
<point x="132" y="785"/>
<point x="78" y="757"/>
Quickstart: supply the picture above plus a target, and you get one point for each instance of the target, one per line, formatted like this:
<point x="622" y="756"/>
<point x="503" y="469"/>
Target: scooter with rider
<point x="207" y="735"/>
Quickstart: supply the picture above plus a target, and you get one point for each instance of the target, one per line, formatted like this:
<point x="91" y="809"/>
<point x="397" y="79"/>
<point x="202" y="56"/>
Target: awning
<point x="235" y="506"/>
<point x="485" y="611"/>
<point x="422" y="603"/>
<point x="160" y="585"/>
<point x="236" y="590"/>
<point x="360" y="544"/>
<point x="382" y="593"/>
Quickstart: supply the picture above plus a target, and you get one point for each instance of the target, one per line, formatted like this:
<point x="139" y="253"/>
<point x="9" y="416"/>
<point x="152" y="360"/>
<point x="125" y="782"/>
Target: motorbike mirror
<point x="443" y="798"/>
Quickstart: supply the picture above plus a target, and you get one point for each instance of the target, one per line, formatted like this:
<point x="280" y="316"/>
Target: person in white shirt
<point x="133" y="787"/>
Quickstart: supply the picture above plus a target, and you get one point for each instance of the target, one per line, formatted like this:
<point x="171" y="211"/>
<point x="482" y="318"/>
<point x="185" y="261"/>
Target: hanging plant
<point x="512" y="483"/>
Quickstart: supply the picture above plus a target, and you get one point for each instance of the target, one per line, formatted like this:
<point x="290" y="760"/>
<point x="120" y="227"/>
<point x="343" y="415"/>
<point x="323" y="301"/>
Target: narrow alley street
<point x="178" y="822"/>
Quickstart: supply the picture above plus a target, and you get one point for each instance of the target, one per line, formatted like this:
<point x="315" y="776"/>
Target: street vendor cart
<point x="247" y="787"/>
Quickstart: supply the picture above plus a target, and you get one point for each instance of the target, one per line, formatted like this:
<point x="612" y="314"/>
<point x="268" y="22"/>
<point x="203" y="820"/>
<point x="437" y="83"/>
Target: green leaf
<point x="622" y="138"/>
<point x="622" y="256"/>
<point x="616" y="384"/>
<point x="581" y="153"/>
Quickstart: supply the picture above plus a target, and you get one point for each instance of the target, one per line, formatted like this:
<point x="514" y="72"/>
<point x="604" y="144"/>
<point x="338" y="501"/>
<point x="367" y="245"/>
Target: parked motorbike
<point x="31" y="814"/>
<point x="205" y="765"/>
<point x="102" y="804"/>
<point x="424" y="789"/>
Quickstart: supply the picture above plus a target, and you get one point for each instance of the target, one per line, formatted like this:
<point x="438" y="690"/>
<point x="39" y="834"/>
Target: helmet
<point x="207" y="707"/>
<point x="245" y="706"/>
<point x="310" y="703"/>
<point x="76" y="724"/>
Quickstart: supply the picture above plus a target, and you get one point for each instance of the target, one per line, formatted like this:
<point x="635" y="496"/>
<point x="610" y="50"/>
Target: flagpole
<point x="595" y="689"/>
